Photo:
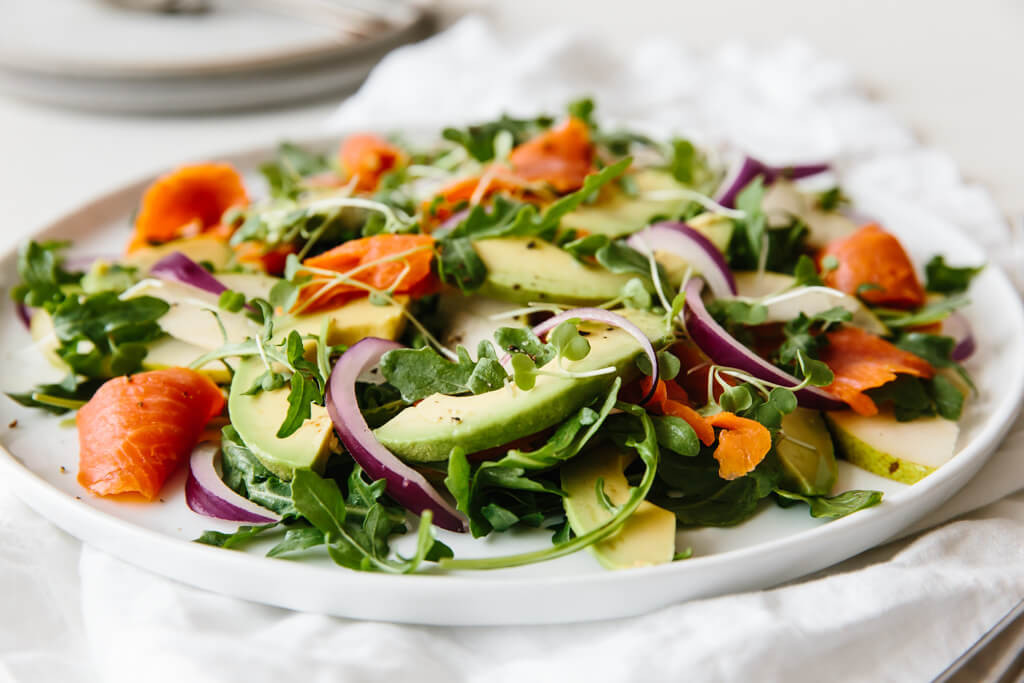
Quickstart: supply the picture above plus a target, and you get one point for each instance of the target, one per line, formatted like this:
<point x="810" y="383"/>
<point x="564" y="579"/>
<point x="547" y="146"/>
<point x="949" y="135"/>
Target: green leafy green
<point x="61" y="397"/>
<point x="932" y="312"/>
<point x="832" y="507"/>
<point x="359" y="544"/>
<point x="479" y="139"/>
<point x="42" y="275"/>
<point x="103" y="335"/>
<point x="286" y="174"/>
<point x="418" y="373"/>
<point x="296" y="540"/>
<point x="691" y="488"/>
<point x="458" y="262"/>
<point x="475" y="490"/>
<point x="645" y="442"/>
<point x="946" y="279"/>
<point x="914" y="397"/>
<point x="675" y="434"/>
<point x="237" y="538"/>
<point x="246" y="475"/>
<point x="831" y="199"/>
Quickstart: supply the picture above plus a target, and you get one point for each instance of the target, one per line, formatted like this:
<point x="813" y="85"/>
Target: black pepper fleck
<point x="516" y="287"/>
<point x="63" y="470"/>
<point x="893" y="467"/>
<point x="532" y="244"/>
<point x="14" y="423"/>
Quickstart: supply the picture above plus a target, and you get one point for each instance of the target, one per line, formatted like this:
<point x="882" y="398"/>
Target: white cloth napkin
<point x="901" y="612"/>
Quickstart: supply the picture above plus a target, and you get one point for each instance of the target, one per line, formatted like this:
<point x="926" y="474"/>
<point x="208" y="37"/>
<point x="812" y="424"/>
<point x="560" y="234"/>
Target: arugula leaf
<point x="418" y="373"/>
<point x="523" y="340"/>
<point x="42" y="274"/>
<point x="646" y="444"/>
<point x="675" y="434"/>
<point x="831" y="199"/>
<point x="246" y="475"/>
<point x="479" y="139"/>
<point x="59" y="398"/>
<point x="583" y="109"/>
<point x="458" y="262"/>
<point x="585" y="247"/>
<point x="932" y="312"/>
<point x="735" y="312"/>
<point x="692" y="489"/>
<point x="103" y="336"/>
<point x="243" y="535"/>
<point x="362" y="546"/>
<point x="832" y="507"/>
<point x="914" y="397"/>
<point x="949" y="401"/>
<point x="292" y="165"/>
<point x="946" y="279"/>
<point x="806" y="273"/>
<point x="296" y="540"/>
<point x="473" y="492"/>
<point x="783" y="245"/>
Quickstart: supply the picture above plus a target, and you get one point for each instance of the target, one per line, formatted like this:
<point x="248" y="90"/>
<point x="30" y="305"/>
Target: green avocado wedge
<point x="649" y="535"/>
<point x="257" y="417"/>
<point x="428" y="431"/>
<point x="616" y="213"/>
<point x="525" y="269"/>
<point x="806" y="453"/>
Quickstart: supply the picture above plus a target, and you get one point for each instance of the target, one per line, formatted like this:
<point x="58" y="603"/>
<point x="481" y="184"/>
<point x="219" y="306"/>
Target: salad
<point x="524" y="324"/>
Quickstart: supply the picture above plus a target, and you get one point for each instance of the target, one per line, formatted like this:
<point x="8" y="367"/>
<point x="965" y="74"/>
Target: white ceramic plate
<point x="40" y="456"/>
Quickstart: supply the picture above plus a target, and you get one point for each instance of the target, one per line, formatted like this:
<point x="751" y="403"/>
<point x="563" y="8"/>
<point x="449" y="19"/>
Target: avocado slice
<point x="168" y="352"/>
<point x="428" y="431"/>
<point x="902" y="451"/>
<point x="615" y="213"/>
<point x="525" y="269"/>
<point x="352" y="321"/>
<point x="202" y="248"/>
<point x="257" y="417"/>
<point x="807" y="454"/>
<point x="647" y="538"/>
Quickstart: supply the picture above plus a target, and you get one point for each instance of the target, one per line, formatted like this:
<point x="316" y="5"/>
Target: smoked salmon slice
<point x="136" y="430"/>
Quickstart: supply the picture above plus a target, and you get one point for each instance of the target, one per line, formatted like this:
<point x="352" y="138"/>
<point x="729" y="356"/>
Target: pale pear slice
<point x="784" y="302"/>
<point x="902" y="451"/>
<point x="194" y="316"/>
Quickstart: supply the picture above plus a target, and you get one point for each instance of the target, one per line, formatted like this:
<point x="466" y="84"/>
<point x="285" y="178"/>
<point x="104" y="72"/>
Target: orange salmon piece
<point x="187" y="202"/>
<point x="742" y="444"/>
<point x="871" y="256"/>
<point x="861" y="360"/>
<point x="136" y="430"/>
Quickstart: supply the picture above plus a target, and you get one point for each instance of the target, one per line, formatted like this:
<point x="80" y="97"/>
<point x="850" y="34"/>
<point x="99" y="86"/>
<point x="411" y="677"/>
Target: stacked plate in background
<point x="88" y="54"/>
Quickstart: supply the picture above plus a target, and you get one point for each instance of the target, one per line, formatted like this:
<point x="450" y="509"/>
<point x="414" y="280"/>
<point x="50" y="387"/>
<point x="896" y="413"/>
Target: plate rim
<point x="47" y="498"/>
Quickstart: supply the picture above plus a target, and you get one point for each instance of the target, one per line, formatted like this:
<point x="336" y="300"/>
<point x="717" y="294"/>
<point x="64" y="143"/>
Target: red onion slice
<point x="207" y="494"/>
<point x="176" y="267"/>
<point x="404" y="484"/>
<point x="693" y="248"/>
<point x="599" y="315"/>
<point x="741" y="175"/>
<point x="24" y="314"/>
<point x="723" y="349"/>
<point x="959" y="328"/>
